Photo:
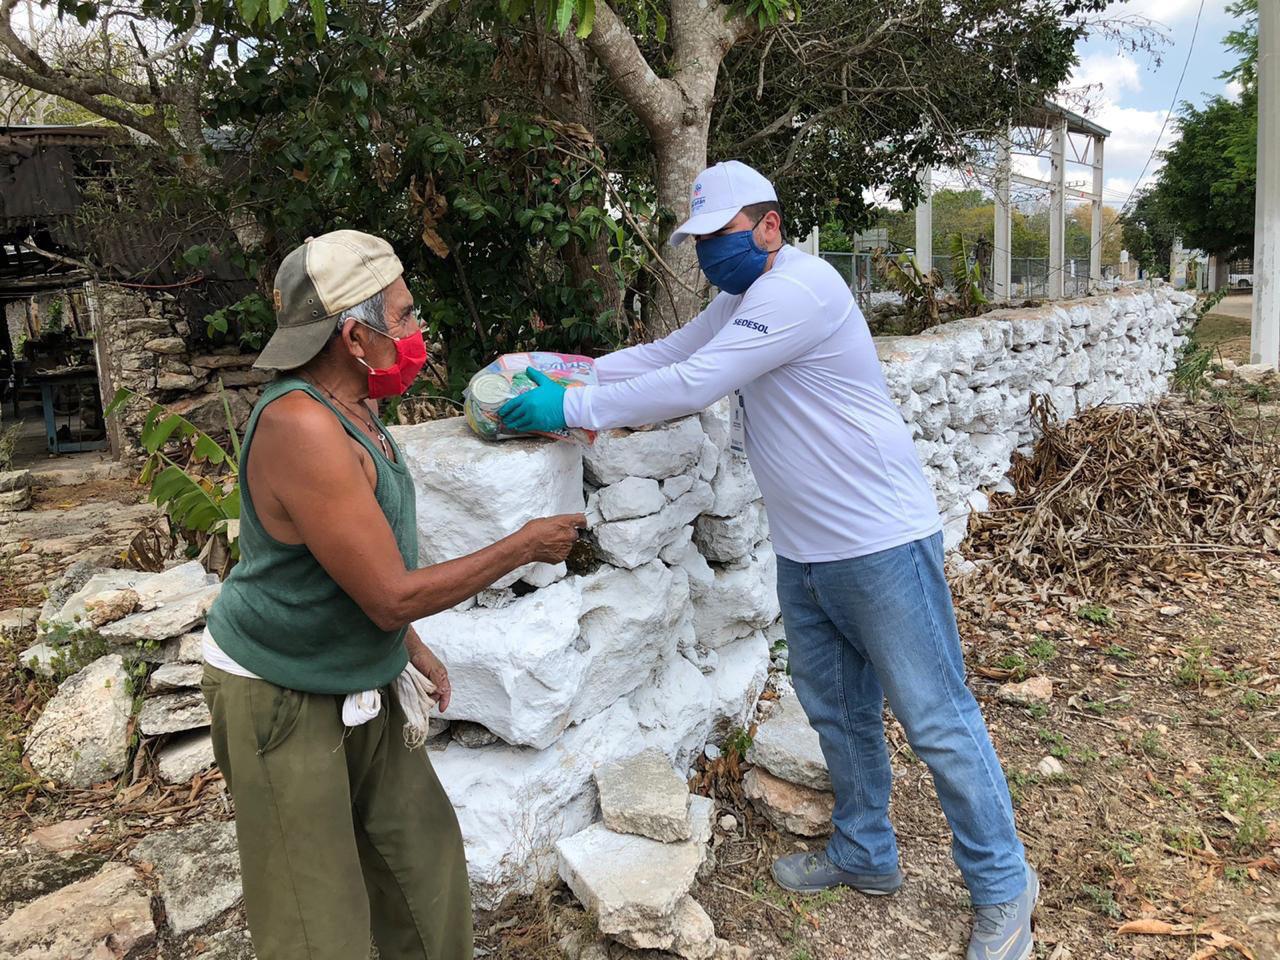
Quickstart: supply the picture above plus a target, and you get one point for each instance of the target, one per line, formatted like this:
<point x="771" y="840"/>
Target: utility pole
<point x="1265" y="336"/>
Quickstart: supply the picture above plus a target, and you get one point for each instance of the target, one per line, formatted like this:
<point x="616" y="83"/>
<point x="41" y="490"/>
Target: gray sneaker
<point x="810" y="872"/>
<point x="1003" y="931"/>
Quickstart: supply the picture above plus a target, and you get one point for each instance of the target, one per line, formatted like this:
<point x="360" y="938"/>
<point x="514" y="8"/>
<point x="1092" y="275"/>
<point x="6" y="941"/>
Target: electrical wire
<point x="1173" y="103"/>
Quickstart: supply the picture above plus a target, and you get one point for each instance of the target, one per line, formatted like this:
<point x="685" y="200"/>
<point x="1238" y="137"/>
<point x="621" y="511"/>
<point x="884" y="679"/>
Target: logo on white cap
<point x="717" y="196"/>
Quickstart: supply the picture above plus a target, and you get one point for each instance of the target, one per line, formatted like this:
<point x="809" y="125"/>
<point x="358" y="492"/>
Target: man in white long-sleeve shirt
<point x="865" y="604"/>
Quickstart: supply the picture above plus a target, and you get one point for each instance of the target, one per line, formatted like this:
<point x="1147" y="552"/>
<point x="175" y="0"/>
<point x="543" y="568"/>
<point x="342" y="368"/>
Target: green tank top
<point x="281" y="616"/>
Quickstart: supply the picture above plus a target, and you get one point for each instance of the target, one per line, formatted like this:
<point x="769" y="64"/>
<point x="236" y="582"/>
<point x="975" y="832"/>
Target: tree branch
<point x="181" y="43"/>
<point x="655" y="101"/>
<point x="427" y="12"/>
<point x="152" y="125"/>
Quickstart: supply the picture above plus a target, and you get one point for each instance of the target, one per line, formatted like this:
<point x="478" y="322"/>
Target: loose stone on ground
<point x="199" y="871"/>
<point x="82" y="737"/>
<point x="643" y="795"/>
<point x="104" y="916"/>
<point x="787" y="747"/>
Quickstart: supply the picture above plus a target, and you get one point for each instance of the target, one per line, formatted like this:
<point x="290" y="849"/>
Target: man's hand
<point x="429" y="665"/>
<point x="538" y="410"/>
<point x="549" y="539"/>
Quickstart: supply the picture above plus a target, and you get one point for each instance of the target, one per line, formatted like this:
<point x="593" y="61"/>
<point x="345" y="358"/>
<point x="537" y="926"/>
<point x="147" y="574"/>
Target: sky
<point x="1133" y="92"/>
<point x="1130" y="92"/>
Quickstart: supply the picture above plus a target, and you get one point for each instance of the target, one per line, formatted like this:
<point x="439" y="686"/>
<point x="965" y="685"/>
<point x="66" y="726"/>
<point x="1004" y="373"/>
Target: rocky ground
<point x="1140" y="731"/>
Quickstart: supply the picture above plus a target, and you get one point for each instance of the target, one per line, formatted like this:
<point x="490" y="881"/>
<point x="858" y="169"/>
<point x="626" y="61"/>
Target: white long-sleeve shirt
<point x="827" y="444"/>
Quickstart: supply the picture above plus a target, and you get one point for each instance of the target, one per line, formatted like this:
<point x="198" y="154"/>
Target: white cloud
<point x="1108" y="74"/>
<point x="1133" y="134"/>
<point x="1037" y="167"/>
<point x="1162" y="11"/>
<point x="1232" y="90"/>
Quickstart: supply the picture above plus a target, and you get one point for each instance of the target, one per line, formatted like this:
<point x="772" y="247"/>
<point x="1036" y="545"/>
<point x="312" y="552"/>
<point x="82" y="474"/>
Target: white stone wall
<point x="663" y="642"/>
<point x="658" y="641"/>
<point x="965" y="387"/>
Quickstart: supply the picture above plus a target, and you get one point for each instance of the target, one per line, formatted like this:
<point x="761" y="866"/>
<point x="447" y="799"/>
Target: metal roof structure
<point x="45" y="242"/>
<point x="1062" y="125"/>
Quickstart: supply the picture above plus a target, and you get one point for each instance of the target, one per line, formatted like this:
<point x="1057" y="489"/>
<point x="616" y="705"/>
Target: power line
<point x="1195" y="30"/>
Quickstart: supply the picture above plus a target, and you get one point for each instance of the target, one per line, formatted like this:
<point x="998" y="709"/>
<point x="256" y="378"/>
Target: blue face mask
<point x="732" y="261"/>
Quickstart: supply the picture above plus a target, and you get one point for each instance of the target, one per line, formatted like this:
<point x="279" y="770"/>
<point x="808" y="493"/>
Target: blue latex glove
<point x="538" y="410"/>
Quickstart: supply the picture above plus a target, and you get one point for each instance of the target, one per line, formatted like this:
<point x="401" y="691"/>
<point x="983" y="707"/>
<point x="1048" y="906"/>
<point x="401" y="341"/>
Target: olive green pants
<point x="342" y="833"/>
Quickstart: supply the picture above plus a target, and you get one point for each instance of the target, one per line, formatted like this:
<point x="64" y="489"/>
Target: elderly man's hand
<point x="538" y="410"/>
<point x="549" y="539"/>
<point x="429" y="665"/>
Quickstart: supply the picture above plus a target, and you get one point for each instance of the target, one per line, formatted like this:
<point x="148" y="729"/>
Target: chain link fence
<point x="1029" y="277"/>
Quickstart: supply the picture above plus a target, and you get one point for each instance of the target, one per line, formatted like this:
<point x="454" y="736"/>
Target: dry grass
<point x="1124" y="489"/>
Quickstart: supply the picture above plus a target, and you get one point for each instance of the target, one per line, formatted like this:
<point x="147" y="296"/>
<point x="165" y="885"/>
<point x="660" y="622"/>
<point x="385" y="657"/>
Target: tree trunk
<point x="677" y="113"/>
<point x="568" y="93"/>
<point x="679" y="289"/>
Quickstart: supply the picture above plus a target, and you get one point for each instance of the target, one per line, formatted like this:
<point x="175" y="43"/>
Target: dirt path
<point x="1166" y="726"/>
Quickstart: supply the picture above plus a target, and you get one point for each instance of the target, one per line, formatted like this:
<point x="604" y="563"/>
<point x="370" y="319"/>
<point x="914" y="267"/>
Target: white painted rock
<point x="642" y="795"/>
<point x="631" y="621"/>
<point x="734" y="486"/>
<point x="102" y="917"/>
<point x="515" y="669"/>
<point x="631" y="497"/>
<point x="185" y="755"/>
<point x="82" y="737"/>
<point x="199" y="870"/>
<point x="673" y="488"/>
<point x="675" y="711"/>
<point x="738" y="601"/>
<point x="725" y="539"/>
<point x="630" y="543"/>
<point x="471" y="493"/>
<point x="514" y="803"/>
<point x="787" y="747"/>
<point x="630" y="883"/>
<point x="715" y="422"/>
<point x="663" y="451"/>
<point x="737" y="681"/>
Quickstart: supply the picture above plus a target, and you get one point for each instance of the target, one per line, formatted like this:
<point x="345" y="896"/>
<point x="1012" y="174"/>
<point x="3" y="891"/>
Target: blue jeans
<point x="883" y="625"/>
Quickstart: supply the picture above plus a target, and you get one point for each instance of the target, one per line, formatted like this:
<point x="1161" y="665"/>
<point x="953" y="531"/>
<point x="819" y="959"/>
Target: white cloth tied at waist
<point x="414" y="691"/>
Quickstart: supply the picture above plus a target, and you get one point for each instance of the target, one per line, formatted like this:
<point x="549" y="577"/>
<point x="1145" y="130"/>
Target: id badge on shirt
<point x="737" y="424"/>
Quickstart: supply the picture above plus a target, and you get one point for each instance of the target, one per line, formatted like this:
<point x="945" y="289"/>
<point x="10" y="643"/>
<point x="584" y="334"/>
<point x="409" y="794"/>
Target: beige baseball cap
<point x="315" y="283"/>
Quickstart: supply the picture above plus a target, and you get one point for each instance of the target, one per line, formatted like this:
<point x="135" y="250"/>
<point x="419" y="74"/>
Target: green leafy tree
<point x="1244" y="41"/>
<point x="1208" y="182"/>
<point x="1147" y="232"/>
<point x="529" y="159"/>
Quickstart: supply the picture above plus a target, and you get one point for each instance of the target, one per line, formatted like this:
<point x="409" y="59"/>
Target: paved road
<point x="1236" y="305"/>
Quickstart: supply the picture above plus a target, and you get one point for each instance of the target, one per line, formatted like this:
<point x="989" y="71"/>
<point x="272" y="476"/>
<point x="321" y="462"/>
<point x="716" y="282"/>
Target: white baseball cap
<point x="717" y="196"/>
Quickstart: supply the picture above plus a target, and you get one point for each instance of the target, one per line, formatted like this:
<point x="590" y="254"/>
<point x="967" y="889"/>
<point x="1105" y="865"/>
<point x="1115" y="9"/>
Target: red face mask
<point x="411" y="356"/>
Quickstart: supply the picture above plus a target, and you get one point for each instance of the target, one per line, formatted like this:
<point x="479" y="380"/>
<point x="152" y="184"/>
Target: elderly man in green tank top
<point x="344" y="830"/>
